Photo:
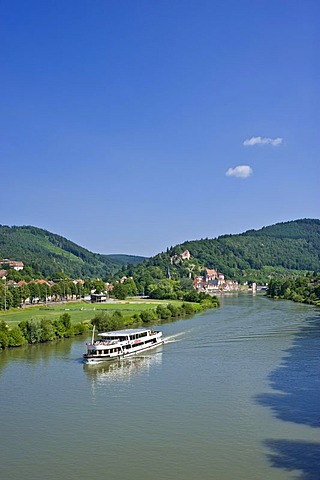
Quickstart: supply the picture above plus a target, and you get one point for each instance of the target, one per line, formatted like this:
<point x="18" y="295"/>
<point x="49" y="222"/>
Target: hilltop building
<point x="186" y="255"/>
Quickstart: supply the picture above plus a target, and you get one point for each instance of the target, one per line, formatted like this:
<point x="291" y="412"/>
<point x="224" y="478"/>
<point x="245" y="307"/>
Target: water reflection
<point x="40" y="352"/>
<point x="296" y="399"/>
<point x="296" y="382"/>
<point x="294" y="455"/>
<point x="122" y="369"/>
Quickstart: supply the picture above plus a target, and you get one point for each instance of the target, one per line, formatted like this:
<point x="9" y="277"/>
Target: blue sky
<point x="129" y="126"/>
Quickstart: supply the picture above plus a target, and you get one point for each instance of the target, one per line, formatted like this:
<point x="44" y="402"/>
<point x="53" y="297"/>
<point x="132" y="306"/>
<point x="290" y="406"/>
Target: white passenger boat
<point x="121" y="344"/>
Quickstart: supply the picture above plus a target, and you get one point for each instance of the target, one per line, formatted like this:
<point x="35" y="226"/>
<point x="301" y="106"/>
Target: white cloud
<point x="241" y="171"/>
<point x="262" y="141"/>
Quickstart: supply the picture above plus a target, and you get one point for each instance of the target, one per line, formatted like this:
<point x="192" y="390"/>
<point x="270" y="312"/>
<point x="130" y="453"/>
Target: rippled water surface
<point x="234" y="394"/>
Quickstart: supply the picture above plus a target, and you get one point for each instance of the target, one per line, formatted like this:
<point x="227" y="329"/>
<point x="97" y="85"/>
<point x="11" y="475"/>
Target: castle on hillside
<point x="179" y="258"/>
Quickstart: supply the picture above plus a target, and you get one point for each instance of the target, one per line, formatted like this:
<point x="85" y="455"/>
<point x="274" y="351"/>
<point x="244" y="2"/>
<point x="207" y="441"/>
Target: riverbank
<point x="42" y="324"/>
<point x="301" y="289"/>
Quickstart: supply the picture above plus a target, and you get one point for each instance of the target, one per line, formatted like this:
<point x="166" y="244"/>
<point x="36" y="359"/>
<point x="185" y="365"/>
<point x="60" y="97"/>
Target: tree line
<point x="46" y="330"/>
<point x="39" y="331"/>
<point x="13" y="296"/>
<point x="103" y="321"/>
<point x="303" y="289"/>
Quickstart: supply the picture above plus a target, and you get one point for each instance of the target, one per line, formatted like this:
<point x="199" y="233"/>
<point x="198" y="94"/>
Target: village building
<point x="12" y="264"/>
<point x="199" y="283"/>
<point x="213" y="282"/>
<point x="78" y="281"/>
<point x="42" y="282"/>
<point x="3" y="274"/>
<point x="211" y="274"/>
<point x="98" y="297"/>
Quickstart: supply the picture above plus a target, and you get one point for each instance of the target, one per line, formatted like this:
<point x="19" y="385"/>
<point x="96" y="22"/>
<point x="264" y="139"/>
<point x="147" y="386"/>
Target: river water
<point x="234" y="394"/>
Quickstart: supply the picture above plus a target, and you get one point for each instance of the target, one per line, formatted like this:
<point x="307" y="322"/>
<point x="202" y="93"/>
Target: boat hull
<point x="94" y="359"/>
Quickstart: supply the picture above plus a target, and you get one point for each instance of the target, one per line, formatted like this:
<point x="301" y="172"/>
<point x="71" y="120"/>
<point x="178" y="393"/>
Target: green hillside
<point x="256" y="255"/>
<point x="49" y="253"/>
<point x="123" y="260"/>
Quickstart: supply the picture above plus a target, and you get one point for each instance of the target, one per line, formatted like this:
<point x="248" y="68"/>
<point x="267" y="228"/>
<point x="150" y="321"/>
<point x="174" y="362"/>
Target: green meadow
<point x="80" y="311"/>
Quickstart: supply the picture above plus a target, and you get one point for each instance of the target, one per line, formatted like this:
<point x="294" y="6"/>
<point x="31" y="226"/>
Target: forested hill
<point x="255" y="255"/>
<point x="49" y="253"/>
<point x="121" y="259"/>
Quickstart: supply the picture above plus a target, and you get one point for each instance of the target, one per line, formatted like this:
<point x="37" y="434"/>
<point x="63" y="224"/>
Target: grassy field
<point x="80" y="311"/>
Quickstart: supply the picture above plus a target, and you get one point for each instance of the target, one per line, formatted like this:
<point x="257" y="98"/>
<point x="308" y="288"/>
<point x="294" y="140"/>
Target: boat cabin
<point x="122" y="343"/>
<point x="123" y="335"/>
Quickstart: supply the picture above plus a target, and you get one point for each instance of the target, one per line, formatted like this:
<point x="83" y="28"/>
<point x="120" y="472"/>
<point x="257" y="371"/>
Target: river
<point x="234" y="394"/>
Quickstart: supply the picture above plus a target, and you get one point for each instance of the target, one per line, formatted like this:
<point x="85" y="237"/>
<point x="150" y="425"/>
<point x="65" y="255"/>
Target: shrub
<point x="47" y="330"/>
<point x="16" y="338"/>
<point x="191" y="296"/>
<point x="147" y="315"/>
<point x="31" y="330"/>
<point x="163" y="312"/>
<point x="104" y="322"/>
<point x="188" y="308"/>
<point x="79" y="328"/>
<point x="3" y="339"/>
<point x="101" y="321"/>
<point x="174" y="309"/>
<point x="135" y="319"/>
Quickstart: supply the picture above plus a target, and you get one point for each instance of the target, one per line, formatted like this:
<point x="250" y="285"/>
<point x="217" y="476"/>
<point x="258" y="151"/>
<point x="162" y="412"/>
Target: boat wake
<point x="174" y="338"/>
<point x="263" y="333"/>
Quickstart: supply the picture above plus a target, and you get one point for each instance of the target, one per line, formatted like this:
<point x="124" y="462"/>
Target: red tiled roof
<point x="211" y="271"/>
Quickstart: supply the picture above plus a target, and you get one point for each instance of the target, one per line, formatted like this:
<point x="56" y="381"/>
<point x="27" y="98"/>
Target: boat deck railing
<point x="103" y="342"/>
<point x="114" y="342"/>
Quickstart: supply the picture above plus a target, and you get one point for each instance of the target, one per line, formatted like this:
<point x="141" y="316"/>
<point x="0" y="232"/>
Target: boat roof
<point x="121" y="333"/>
